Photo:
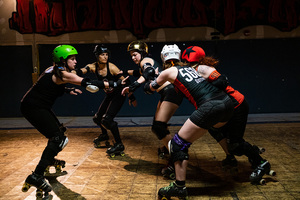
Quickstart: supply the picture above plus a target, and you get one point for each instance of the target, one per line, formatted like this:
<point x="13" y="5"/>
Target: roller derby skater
<point x="173" y="190"/>
<point x="113" y="100"/>
<point x="230" y="136"/>
<point x="36" y="107"/>
<point x="213" y="108"/>
<point x="170" y="99"/>
<point x="262" y="169"/>
<point x="116" y="149"/>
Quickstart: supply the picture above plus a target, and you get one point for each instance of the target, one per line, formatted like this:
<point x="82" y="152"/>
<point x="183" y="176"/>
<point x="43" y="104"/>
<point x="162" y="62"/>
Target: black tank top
<point x="44" y="92"/>
<point x="196" y="89"/>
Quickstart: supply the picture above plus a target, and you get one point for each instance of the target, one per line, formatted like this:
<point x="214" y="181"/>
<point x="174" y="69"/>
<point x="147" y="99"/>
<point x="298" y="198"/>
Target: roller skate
<point x="117" y="149"/>
<point x="169" y="172"/>
<point x="173" y="190"/>
<point x="58" y="165"/>
<point x="163" y="152"/>
<point x="230" y="164"/>
<point x="101" y="138"/>
<point x="256" y="176"/>
<point x="42" y="186"/>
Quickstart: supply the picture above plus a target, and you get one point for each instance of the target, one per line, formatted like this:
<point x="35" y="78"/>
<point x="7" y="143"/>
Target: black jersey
<point x="44" y="92"/>
<point x="196" y="89"/>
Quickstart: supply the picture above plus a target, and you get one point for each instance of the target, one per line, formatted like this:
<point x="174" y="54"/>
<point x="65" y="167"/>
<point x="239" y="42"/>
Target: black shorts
<point x="212" y="112"/>
<point x="169" y="93"/>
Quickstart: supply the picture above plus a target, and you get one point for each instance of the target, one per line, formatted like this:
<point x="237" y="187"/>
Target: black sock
<point x="180" y="183"/>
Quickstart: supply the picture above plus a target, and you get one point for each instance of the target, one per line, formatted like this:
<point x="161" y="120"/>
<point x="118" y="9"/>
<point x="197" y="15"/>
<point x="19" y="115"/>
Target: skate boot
<point x="230" y="164"/>
<point x="258" y="150"/>
<point x="117" y="149"/>
<point x="38" y="181"/>
<point x="169" y="172"/>
<point x="163" y="152"/>
<point x="58" y="165"/>
<point x="256" y="177"/>
<point x="172" y="190"/>
<point x="101" y="138"/>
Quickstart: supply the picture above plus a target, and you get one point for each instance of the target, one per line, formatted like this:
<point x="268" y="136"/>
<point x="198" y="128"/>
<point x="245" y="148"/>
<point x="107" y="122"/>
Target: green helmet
<point x="62" y="52"/>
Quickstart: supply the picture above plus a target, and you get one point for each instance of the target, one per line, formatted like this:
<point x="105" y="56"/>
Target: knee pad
<point x="216" y="134"/>
<point x="179" y="148"/>
<point x="108" y="122"/>
<point x="160" y="129"/>
<point x="58" y="142"/>
<point x="96" y="120"/>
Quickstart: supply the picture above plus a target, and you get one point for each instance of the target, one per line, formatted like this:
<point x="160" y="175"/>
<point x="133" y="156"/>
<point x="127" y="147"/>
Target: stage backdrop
<point x="265" y="71"/>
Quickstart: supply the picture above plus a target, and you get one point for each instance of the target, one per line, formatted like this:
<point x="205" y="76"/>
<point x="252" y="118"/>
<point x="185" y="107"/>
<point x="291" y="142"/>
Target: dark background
<point x="266" y="71"/>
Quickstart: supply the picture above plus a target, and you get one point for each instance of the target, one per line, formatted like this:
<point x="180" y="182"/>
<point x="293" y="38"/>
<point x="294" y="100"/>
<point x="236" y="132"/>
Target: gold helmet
<point x="139" y="46"/>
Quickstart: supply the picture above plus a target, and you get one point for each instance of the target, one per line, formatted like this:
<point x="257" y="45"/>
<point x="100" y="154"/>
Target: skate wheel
<point x="39" y="193"/>
<point x="163" y="198"/>
<point x="122" y="154"/>
<point x="272" y="173"/>
<point x="25" y="187"/>
<point x="172" y="176"/>
<point x="262" y="182"/>
<point x="112" y="155"/>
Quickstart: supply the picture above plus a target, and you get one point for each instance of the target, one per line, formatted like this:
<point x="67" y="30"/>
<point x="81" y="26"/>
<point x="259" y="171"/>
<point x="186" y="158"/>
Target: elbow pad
<point x="149" y="73"/>
<point x="221" y="82"/>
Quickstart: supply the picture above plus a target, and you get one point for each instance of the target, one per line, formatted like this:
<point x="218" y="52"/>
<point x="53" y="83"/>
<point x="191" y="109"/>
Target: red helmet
<point x="193" y="54"/>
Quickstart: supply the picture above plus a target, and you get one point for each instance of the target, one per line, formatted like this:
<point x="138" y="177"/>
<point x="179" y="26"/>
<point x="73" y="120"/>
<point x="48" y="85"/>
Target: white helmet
<point x="170" y="52"/>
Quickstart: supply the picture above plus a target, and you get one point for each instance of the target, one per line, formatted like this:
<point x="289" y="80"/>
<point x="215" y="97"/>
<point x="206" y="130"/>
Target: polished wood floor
<point x="91" y="175"/>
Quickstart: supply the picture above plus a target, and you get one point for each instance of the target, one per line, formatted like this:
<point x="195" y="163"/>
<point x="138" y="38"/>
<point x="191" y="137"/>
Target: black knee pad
<point x="58" y="142"/>
<point x="108" y="122"/>
<point x="96" y="120"/>
<point x="160" y="129"/>
<point x="216" y="134"/>
<point x="179" y="148"/>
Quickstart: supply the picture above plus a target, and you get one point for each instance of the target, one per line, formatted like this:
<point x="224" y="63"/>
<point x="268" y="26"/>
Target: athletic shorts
<point x="169" y="93"/>
<point x="212" y="112"/>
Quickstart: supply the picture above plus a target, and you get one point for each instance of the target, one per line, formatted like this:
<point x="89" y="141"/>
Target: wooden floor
<point x="91" y="175"/>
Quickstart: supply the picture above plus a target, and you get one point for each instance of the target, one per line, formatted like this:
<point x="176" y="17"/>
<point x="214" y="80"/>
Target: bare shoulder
<point x="113" y="68"/>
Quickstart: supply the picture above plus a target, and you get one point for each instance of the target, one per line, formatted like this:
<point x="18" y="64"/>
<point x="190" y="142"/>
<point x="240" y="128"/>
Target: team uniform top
<point x="195" y="87"/>
<point x="44" y="92"/>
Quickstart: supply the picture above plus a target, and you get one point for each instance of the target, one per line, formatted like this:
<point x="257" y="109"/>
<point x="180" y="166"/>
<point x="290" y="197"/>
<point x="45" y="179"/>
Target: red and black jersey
<point x="196" y="89"/>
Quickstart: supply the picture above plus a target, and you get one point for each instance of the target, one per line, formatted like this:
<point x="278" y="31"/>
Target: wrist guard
<point x="155" y="85"/>
<point x="135" y="85"/>
<point x="147" y="88"/>
<point x="113" y="84"/>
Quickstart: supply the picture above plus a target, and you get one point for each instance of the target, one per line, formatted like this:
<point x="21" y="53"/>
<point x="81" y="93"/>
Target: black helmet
<point x="99" y="49"/>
